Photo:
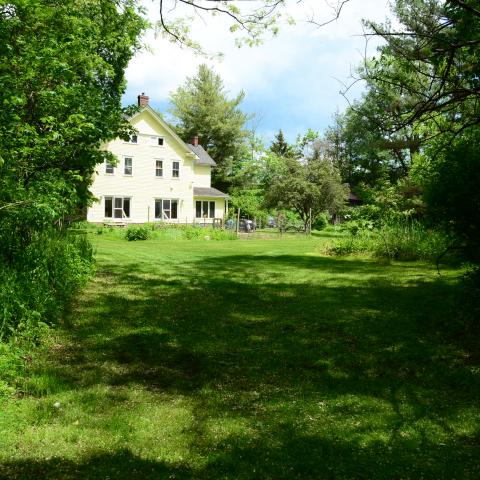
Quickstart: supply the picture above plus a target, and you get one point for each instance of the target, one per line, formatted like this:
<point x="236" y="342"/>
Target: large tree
<point x="429" y="59"/>
<point x="201" y="107"/>
<point x="308" y="185"/>
<point x="368" y="143"/>
<point x="62" y="76"/>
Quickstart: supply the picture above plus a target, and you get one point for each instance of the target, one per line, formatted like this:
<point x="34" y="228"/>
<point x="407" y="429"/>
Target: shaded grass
<point x="250" y="359"/>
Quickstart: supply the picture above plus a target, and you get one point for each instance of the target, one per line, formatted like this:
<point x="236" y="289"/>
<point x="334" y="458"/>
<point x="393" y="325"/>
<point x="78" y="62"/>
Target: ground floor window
<point x="117" y="207"/>
<point x="204" y="209"/>
<point x="166" y="209"/>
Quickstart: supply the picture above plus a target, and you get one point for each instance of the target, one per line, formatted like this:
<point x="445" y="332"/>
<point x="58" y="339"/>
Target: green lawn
<point x="249" y="359"/>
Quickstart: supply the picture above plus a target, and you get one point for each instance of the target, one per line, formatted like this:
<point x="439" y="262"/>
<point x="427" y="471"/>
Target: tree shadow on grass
<point x="120" y="465"/>
<point x="292" y="455"/>
<point x="351" y="374"/>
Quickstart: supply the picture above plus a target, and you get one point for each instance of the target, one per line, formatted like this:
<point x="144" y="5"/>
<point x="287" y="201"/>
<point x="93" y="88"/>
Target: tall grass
<point x="394" y="240"/>
<point x="35" y="289"/>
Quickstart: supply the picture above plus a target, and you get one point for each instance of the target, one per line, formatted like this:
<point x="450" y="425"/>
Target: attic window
<point x="134" y="139"/>
<point x="156" y="141"/>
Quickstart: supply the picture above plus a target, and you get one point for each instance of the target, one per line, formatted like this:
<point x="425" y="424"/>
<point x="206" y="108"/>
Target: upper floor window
<point x="133" y="139"/>
<point x="175" y="169"/>
<point x="156" y="141"/>
<point x="158" y="168"/>
<point x="109" y="167"/>
<point x="128" y="166"/>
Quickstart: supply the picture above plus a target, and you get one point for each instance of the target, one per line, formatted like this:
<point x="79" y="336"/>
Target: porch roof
<point x="208" y="192"/>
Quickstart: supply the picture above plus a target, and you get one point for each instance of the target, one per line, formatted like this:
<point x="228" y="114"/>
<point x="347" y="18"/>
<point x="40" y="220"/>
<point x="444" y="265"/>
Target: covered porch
<point x="210" y="206"/>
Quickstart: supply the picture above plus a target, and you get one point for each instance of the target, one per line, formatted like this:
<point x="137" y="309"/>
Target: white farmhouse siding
<point x="203" y="176"/>
<point x="152" y="173"/>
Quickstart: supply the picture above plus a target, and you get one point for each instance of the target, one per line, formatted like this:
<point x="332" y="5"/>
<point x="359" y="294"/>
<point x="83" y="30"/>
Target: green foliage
<point x="35" y="290"/>
<point x="310" y="186"/>
<point x="251" y="202"/>
<point x="429" y="59"/>
<point x="321" y="221"/>
<point x="205" y="233"/>
<point x="275" y="362"/>
<point x="280" y="146"/>
<point x="367" y="145"/>
<point x="61" y="100"/>
<point x="39" y="285"/>
<point x="451" y="178"/>
<point x="394" y="240"/>
<point x="138" y="233"/>
<point x="201" y="108"/>
<point x="469" y="312"/>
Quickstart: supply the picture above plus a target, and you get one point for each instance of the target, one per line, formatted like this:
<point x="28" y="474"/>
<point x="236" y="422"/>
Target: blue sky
<point x="291" y="82"/>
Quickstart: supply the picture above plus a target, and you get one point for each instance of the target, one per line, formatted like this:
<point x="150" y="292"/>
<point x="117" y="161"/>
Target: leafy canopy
<point x="62" y="75"/>
<point x="308" y="184"/>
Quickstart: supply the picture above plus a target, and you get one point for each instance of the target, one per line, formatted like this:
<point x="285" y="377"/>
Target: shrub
<point x="321" y="221"/>
<point x="199" y="233"/>
<point x="401" y="240"/>
<point x="219" y="234"/>
<point x="138" y="233"/>
<point x="35" y="289"/>
<point x="192" y="233"/>
<point x="40" y="284"/>
<point x="469" y="304"/>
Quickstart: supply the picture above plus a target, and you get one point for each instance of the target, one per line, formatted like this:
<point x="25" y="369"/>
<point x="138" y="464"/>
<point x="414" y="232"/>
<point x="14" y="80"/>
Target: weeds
<point x="408" y="240"/>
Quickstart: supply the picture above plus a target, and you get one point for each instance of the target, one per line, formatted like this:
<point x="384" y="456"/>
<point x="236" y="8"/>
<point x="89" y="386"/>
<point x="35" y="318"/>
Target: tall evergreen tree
<point x="201" y="107"/>
<point x="280" y="146"/>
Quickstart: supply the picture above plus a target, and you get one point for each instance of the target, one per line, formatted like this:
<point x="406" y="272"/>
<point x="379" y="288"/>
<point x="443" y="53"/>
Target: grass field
<point x="249" y="359"/>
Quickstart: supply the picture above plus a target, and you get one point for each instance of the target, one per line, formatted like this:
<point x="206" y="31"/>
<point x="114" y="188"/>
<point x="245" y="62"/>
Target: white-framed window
<point x="156" y="141"/>
<point x="175" y="169"/>
<point x="109" y="168"/>
<point x="128" y="165"/>
<point x="117" y="207"/>
<point x="159" y="168"/>
<point x="204" y="209"/>
<point x="166" y="209"/>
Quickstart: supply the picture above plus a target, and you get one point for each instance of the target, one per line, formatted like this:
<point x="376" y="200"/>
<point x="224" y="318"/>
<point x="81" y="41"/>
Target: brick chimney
<point x="142" y="100"/>
<point x="195" y="141"/>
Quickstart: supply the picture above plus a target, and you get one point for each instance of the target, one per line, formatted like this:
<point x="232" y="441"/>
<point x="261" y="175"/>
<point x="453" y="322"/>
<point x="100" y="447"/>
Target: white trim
<point x="113" y="217"/>
<point x="175" y="177"/>
<point x="124" y="166"/>
<point x="162" y="176"/>
<point x="164" y="218"/>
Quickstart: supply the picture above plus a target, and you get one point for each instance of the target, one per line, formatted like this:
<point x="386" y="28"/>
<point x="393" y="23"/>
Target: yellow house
<point x="158" y="178"/>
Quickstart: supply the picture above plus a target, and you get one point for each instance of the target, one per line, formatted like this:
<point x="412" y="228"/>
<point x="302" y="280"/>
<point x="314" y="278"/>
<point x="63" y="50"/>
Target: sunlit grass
<point x="255" y="358"/>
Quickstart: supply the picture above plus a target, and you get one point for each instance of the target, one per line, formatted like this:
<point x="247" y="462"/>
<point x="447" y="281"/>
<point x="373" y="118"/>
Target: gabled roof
<point x="208" y="192"/>
<point x="166" y="127"/>
<point x="203" y="157"/>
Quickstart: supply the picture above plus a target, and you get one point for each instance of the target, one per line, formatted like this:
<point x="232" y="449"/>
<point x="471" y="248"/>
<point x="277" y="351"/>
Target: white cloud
<point x="290" y="78"/>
